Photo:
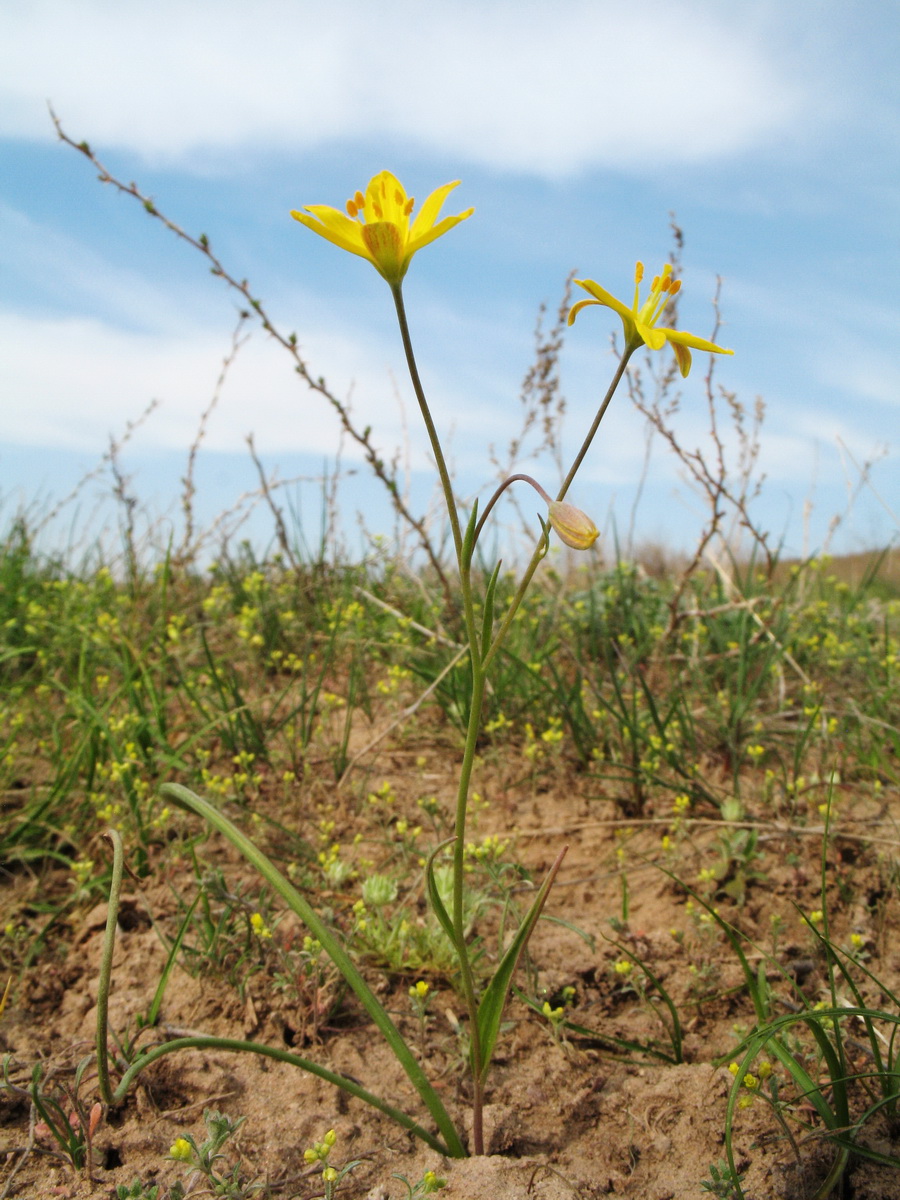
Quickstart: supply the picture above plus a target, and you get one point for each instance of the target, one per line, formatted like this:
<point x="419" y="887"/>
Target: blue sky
<point x="770" y="130"/>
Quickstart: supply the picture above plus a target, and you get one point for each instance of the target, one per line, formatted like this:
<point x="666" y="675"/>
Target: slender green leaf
<point x="342" y="1081"/>
<point x="490" y="1008"/>
<point x="434" y="895"/>
<point x="153" y="1012"/>
<point x="468" y="542"/>
<point x="333" y="947"/>
<point x="487" y="623"/>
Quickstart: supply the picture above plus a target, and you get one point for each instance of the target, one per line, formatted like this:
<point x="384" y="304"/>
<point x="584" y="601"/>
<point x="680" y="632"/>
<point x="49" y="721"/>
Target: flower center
<point x="385" y="242"/>
<point x="663" y="288"/>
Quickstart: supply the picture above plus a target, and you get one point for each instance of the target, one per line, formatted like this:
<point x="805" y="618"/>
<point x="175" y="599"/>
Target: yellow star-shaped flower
<point x="377" y="226"/>
<point x="641" y="320"/>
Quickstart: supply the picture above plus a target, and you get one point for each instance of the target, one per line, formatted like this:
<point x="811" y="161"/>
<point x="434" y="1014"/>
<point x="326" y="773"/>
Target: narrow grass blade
<point x="675" y="1031"/>
<point x="153" y="1012"/>
<point x="109" y="943"/>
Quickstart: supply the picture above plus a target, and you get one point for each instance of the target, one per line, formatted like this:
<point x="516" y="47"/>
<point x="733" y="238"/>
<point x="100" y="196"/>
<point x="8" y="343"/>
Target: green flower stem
<point x="459" y="931"/>
<point x="539" y="551"/>
<point x="601" y="413"/>
<point x="305" y="1064"/>
<point x="541" y="548"/>
<point x="477" y="699"/>
<point x="437" y="451"/>
<point x="109" y="945"/>
<point x="333" y="947"/>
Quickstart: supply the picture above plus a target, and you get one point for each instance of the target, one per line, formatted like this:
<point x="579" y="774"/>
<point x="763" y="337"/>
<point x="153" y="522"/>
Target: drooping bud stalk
<point x="575" y="528"/>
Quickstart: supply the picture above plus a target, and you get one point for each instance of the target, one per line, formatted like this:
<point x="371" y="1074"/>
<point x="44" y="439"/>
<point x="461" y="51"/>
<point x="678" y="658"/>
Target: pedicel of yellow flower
<point x="574" y="527"/>
<point x="641" y="320"/>
<point x="377" y="226"/>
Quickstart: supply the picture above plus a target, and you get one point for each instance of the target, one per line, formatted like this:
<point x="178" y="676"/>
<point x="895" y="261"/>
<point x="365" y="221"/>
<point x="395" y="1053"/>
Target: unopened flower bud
<point x="574" y="527"/>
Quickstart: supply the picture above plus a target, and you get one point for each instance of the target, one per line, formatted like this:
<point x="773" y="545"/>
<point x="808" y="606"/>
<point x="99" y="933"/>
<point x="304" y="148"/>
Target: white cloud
<point x="71" y="382"/>
<point x="509" y="84"/>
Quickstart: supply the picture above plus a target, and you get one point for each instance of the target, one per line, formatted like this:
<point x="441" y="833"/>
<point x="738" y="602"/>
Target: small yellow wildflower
<point x="320" y="1151"/>
<point x="181" y="1150"/>
<point x="376" y="226"/>
<point x="260" y="928"/>
<point x="640" y="320"/>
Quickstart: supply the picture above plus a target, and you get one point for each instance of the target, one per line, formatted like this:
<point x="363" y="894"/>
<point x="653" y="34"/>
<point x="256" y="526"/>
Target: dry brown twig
<point x="383" y="472"/>
<point x="186" y="551"/>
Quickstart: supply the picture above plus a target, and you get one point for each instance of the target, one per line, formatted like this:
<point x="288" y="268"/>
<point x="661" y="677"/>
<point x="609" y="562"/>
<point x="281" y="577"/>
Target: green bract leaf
<point x="490" y="1010"/>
